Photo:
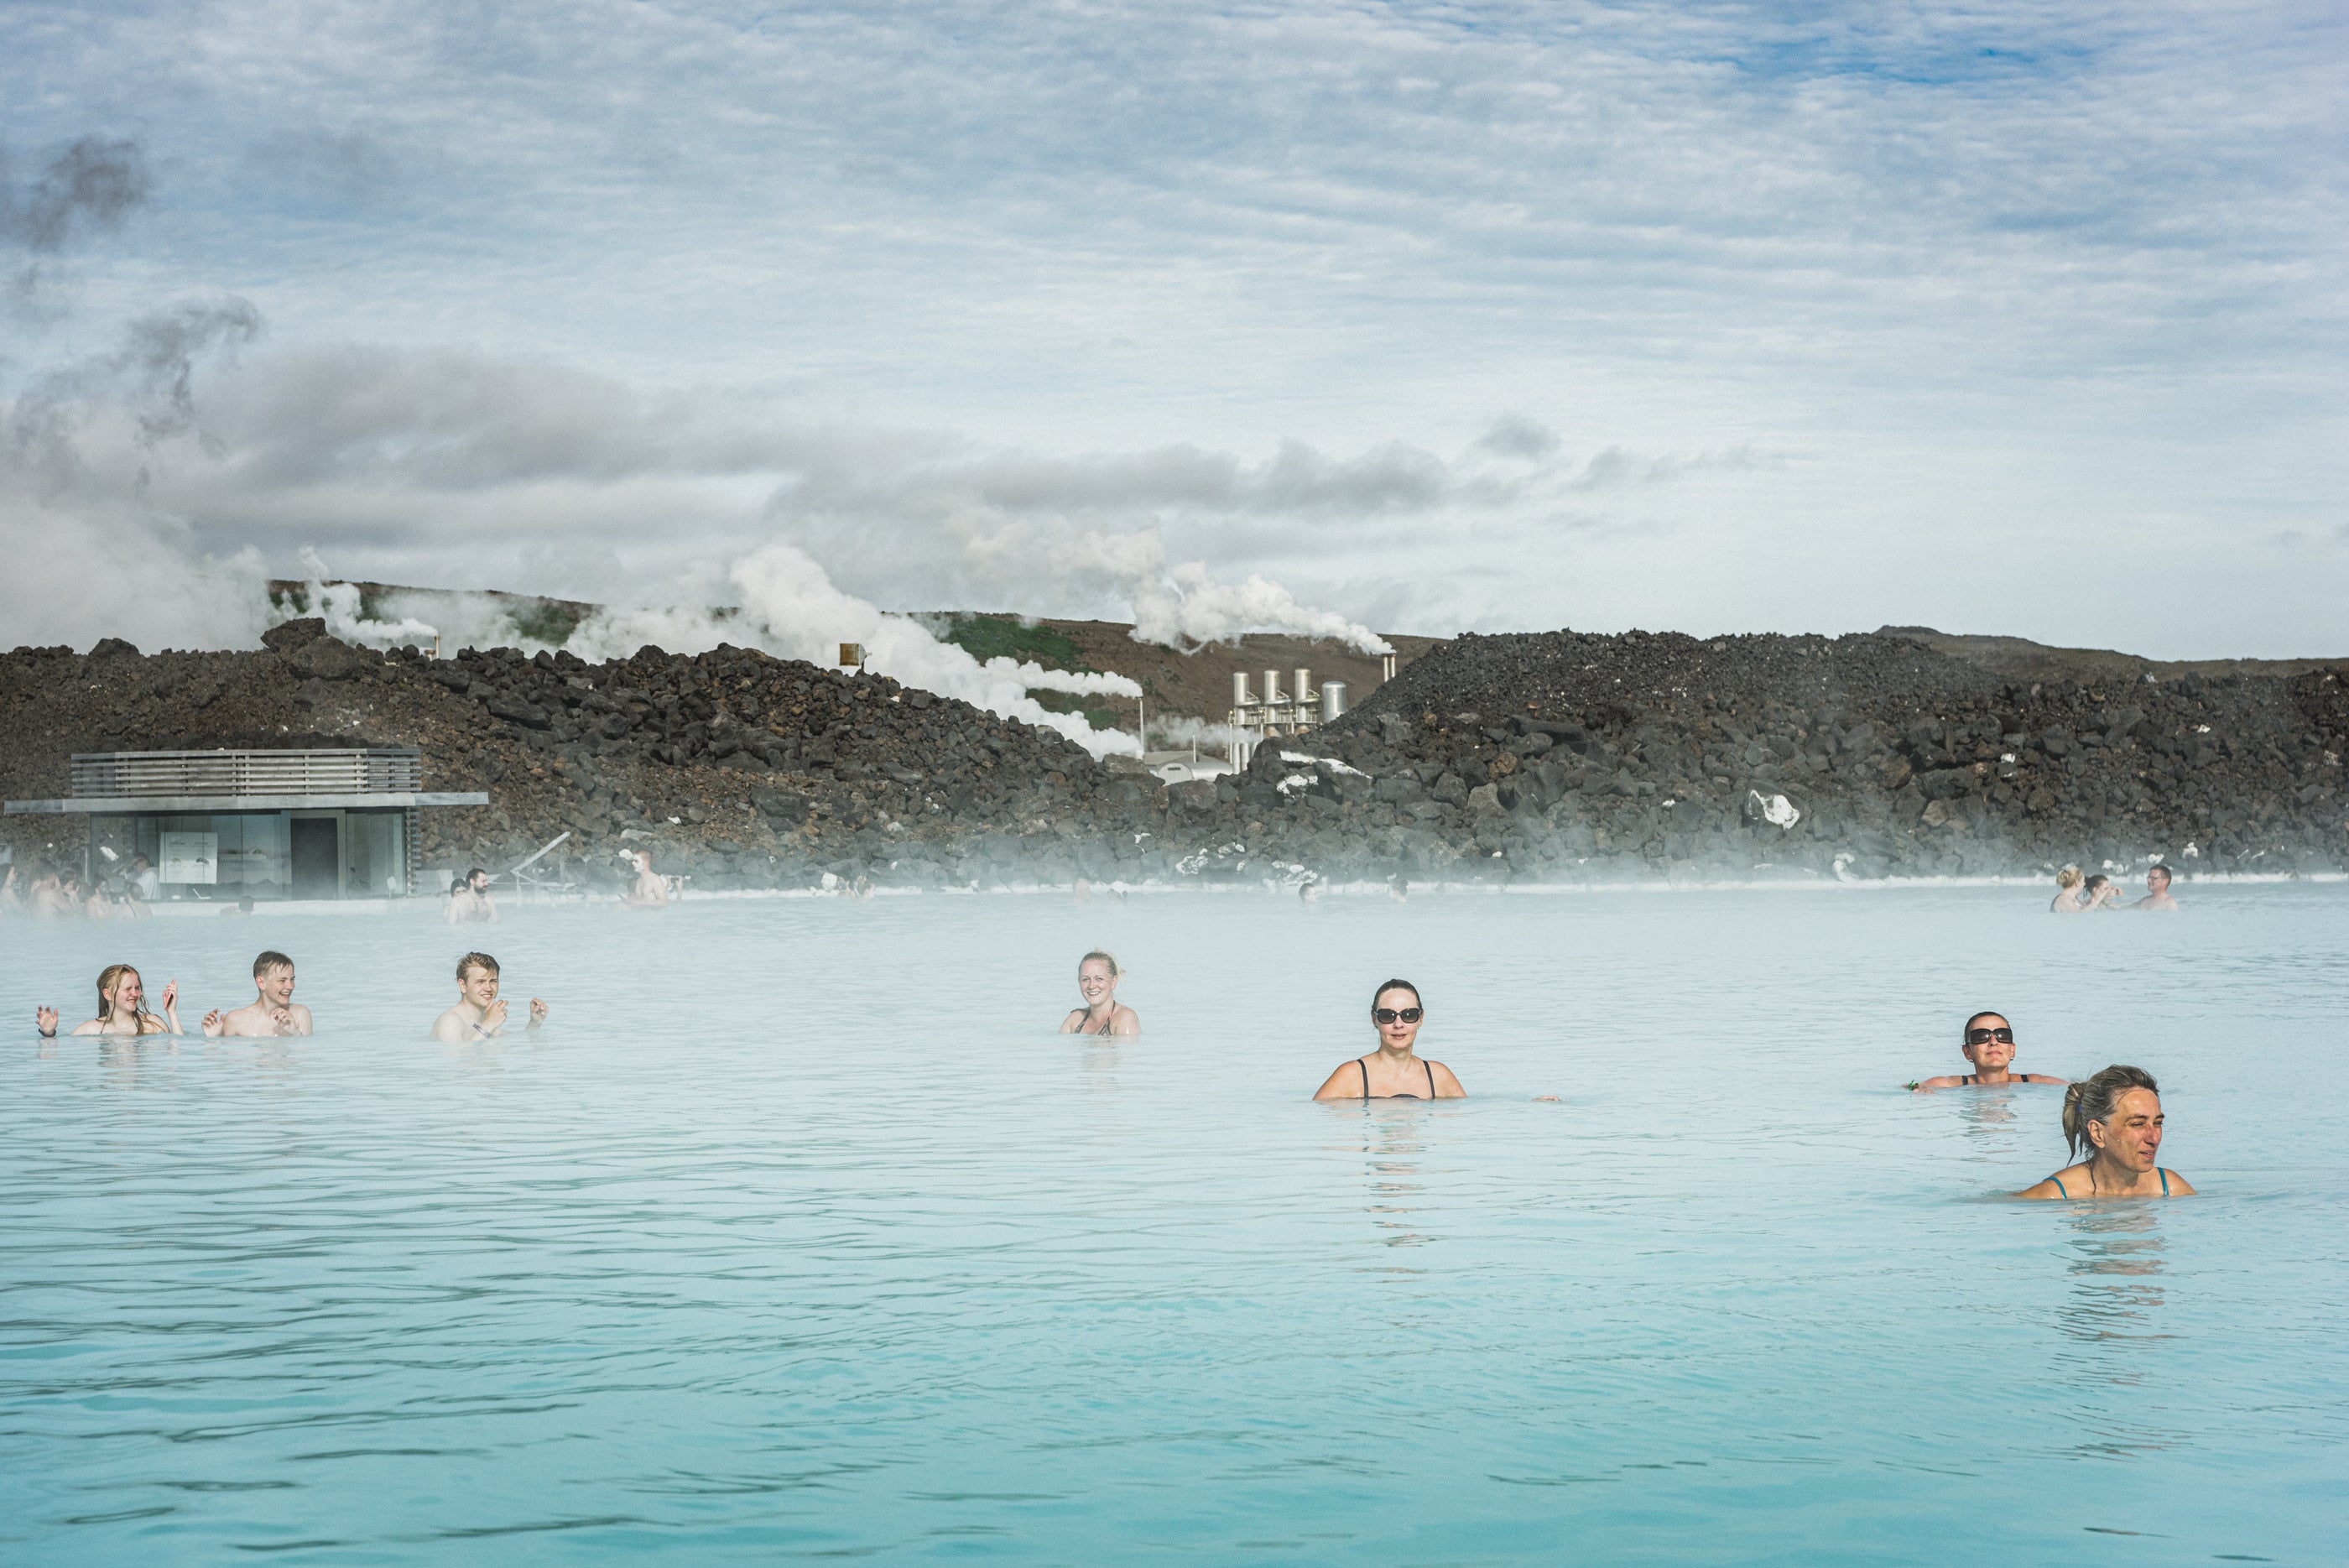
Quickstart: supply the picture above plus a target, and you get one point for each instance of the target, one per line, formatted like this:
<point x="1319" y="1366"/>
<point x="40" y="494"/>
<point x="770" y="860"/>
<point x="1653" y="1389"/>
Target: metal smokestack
<point x="1386" y="668"/>
<point x="1240" y="698"/>
<point x="1333" y="699"/>
<point x="1304" y="686"/>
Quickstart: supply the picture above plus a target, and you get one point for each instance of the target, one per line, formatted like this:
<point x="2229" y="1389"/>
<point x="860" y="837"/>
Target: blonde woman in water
<point x="2068" y="897"/>
<point x="1103" y="1013"/>
<point x="121" y="1007"/>
<point x="2116" y="1118"/>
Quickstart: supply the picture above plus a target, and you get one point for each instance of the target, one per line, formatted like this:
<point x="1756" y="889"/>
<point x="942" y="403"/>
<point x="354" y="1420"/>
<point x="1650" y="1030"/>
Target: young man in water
<point x="273" y="1009"/>
<point x="2157" y="891"/>
<point x="1989" y="1046"/>
<point x="481" y="1012"/>
<point x="471" y="901"/>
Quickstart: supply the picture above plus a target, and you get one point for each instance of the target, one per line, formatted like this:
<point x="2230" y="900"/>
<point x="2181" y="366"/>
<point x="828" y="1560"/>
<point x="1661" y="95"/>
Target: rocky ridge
<point x="1552" y="756"/>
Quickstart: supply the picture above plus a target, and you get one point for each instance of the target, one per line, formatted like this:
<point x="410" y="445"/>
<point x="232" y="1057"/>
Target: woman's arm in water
<point x="1124" y="1020"/>
<point x="1342" y="1084"/>
<point x="1447" y="1088"/>
<point x="1943" y="1082"/>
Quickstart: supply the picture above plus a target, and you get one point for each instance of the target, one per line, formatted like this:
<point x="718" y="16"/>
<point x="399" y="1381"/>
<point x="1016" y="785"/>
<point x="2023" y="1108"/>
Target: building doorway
<point x="318" y="857"/>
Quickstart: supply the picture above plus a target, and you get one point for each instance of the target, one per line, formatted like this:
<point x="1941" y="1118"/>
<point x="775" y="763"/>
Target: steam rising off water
<point x="799" y="1233"/>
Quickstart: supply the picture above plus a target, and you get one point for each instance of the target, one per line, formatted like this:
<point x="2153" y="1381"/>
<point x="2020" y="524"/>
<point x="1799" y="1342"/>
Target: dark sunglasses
<point x="1984" y="1036"/>
<point x="1382" y="1016"/>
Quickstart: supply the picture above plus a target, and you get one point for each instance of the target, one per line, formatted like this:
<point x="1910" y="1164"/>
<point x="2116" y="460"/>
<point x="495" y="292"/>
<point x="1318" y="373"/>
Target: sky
<point x="2012" y="318"/>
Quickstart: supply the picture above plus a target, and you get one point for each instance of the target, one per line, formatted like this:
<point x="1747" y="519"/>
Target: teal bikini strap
<point x="2059" y="1186"/>
<point x="2165" y="1182"/>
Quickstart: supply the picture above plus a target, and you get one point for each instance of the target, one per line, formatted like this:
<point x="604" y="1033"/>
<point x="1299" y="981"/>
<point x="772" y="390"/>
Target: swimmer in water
<point x="471" y="901"/>
<point x="2115" y="1118"/>
<point x="481" y="1012"/>
<point x="650" y="890"/>
<point x="119" y="996"/>
<point x="1987" y="1042"/>
<point x="2157" y="891"/>
<point x="1103" y="1013"/>
<point x="272" y="1011"/>
<point x="2069" y="900"/>
<point x="2099" y="893"/>
<point x="1391" y="1071"/>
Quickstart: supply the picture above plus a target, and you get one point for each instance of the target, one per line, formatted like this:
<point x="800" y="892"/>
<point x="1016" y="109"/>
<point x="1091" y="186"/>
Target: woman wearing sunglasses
<point x="1989" y="1045"/>
<point x="1391" y="1071"/>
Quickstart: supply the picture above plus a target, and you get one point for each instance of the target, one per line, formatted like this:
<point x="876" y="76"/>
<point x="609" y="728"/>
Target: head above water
<point x="476" y="880"/>
<point x="1991" y="1054"/>
<point x="117" y="985"/>
<point x="2068" y="878"/>
<point x="2158" y="877"/>
<point x="2115" y="1112"/>
<point x="2098" y="881"/>
<point x="1397" y="997"/>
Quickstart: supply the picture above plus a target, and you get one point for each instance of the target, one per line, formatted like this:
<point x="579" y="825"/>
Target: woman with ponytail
<point x="2112" y="1123"/>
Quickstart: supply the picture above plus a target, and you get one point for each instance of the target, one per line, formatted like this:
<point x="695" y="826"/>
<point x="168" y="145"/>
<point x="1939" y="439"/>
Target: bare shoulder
<point x="2178" y="1186"/>
<point x="1125" y="1020"/>
<point x="1944" y="1082"/>
<point x="92" y="1027"/>
<point x="300" y="1016"/>
<point x="1340" y="1085"/>
<point x="2055" y="1185"/>
<point x="449" y="1026"/>
<point x="1447" y="1088"/>
<point x="2043" y="1078"/>
<point x="1069" y="1024"/>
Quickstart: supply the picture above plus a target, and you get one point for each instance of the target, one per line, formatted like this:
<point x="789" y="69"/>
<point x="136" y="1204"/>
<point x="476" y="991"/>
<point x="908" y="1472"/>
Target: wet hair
<point x="476" y="871"/>
<point x="1986" y="1012"/>
<point x="269" y="961"/>
<point x="2068" y="878"/>
<point x="107" y="978"/>
<point x="2166" y="874"/>
<point x="481" y="961"/>
<point x="1387" y="985"/>
<point x="2096" y="881"/>
<point x="2091" y="1100"/>
<point x="1109" y="959"/>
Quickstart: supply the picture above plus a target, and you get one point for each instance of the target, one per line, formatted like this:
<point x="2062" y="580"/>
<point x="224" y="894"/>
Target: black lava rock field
<point x="1544" y="757"/>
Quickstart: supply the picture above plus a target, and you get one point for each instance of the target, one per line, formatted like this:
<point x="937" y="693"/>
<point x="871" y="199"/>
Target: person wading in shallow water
<point x="2157" y="891"/>
<point x="1392" y="1072"/>
<point x="1103" y="1013"/>
<point x="120" y="1010"/>
<point x="273" y="1009"/>
<point x="2115" y="1118"/>
<point x="1987" y="1042"/>
<point x="481" y="1012"/>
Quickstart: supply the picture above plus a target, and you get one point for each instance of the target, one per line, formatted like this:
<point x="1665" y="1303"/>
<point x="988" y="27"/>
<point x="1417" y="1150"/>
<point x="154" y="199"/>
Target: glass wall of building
<point x="265" y="855"/>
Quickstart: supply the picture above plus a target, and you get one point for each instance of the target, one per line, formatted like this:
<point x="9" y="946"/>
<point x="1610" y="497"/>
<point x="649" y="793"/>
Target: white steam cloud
<point x="1189" y="608"/>
<point x="787" y="606"/>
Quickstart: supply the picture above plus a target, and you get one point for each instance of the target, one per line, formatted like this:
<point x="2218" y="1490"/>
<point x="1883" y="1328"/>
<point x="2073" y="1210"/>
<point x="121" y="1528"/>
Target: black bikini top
<point x="1423" y="1067"/>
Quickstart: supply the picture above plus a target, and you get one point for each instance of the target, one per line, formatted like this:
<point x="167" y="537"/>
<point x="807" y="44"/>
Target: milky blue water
<point x="799" y="1234"/>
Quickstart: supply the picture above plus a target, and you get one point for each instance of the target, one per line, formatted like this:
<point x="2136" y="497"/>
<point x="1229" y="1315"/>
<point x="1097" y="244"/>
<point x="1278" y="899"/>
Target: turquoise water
<point x="799" y="1234"/>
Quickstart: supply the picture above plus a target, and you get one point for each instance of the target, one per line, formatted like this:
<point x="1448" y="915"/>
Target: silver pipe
<point x="1333" y="699"/>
